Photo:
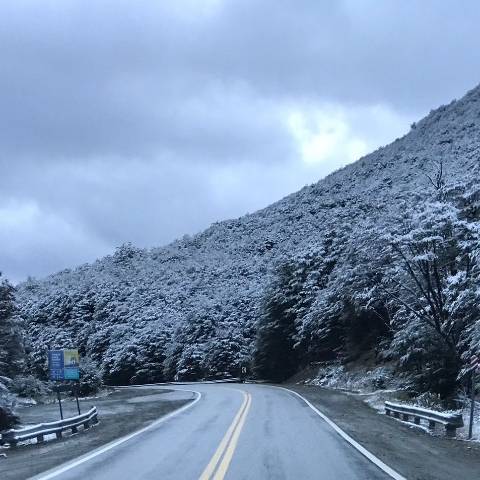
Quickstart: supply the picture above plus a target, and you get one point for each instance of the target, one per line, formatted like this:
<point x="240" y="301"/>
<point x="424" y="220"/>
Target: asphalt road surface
<point x="233" y="432"/>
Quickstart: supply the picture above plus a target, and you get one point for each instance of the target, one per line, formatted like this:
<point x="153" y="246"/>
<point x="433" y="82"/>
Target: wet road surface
<point x="232" y="431"/>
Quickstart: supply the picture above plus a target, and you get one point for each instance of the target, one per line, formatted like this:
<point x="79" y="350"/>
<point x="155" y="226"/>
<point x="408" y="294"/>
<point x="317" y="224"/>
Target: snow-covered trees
<point x="406" y="287"/>
<point x="11" y="338"/>
<point x="11" y="351"/>
<point x="275" y="357"/>
<point x="284" y="336"/>
<point x="401" y="283"/>
<point x="433" y="281"/>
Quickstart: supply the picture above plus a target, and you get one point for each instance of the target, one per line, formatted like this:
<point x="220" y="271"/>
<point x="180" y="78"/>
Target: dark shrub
<point x="8" y="419"/>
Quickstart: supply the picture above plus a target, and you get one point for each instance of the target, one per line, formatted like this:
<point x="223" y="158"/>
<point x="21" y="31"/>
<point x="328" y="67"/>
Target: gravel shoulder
<point x="412" y="452"/>
<point x="120" y="413"/>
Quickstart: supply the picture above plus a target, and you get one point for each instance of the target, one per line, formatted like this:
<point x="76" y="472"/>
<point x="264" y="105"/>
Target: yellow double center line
<point x="218" y="465"/>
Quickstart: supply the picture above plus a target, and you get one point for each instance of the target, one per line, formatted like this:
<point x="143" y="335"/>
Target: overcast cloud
<point x="142" y="121"/>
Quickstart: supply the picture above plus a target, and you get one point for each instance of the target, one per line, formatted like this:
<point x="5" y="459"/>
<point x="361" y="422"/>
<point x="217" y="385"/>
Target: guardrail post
<point x="94" y="416"/>
<point x="74" y="429"/>
<point x="431" y="425"/>
<point x="416" y="420"/>
<point x="58" y="434"/>
<point x="40" y="438"/>
<point x="450" y="430"/>
<point x="9" y="437"/>
<point x="405" y="417"/>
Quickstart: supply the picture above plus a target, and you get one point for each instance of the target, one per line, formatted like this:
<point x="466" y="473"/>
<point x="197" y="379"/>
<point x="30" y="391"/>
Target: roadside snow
<point x="360" y="381"/>
<point x="462" y="433"/>
<point x="367" y="386"/>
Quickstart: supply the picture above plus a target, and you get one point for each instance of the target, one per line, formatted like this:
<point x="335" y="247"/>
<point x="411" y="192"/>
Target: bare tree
<point x="437" y="178"/>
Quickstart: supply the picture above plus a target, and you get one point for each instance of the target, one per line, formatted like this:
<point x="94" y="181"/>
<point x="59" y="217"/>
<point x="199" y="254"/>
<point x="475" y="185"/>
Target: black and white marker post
<point x="475" y="364"/>
<point x="76" y="388"/>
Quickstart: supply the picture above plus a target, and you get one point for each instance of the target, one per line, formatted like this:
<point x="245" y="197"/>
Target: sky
<point x="143" y="121"/>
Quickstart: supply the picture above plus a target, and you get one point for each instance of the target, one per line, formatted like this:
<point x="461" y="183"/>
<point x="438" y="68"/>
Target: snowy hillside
<point x="320" y="272"/>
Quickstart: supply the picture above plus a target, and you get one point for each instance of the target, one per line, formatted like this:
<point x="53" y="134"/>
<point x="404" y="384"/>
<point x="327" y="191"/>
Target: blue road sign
<point x="64" y="364"/>
<point x="55" y="364"/>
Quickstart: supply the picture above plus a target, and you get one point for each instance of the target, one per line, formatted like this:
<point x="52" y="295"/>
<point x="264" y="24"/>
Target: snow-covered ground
<point x="362" y="380"/>
<point x="377" y="385"/>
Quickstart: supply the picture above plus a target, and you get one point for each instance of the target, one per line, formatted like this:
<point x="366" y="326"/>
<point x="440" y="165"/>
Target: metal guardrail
<point x="407" y="413"/>
<point x="12" y="437"/>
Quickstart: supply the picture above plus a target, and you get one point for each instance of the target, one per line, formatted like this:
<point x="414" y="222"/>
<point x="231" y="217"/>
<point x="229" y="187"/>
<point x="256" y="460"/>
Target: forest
<point x="379" y="258"/>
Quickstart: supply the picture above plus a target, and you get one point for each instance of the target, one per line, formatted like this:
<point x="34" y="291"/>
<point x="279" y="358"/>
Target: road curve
<point x="232" y="432"/>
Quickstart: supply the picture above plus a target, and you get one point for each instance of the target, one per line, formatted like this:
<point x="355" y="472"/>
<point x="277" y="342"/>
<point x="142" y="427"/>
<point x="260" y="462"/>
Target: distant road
<point x="233" y="431"/>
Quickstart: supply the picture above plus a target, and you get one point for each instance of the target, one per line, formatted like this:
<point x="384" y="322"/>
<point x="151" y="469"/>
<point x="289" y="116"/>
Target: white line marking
<point x="85" y="458"/>
<point x="375" y="460"/>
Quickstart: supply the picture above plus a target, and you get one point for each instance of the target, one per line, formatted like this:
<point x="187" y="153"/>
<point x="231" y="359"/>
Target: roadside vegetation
<point x="12" y="353"/>
<point x="17" y="384"/>
<point x="408" y="291"/>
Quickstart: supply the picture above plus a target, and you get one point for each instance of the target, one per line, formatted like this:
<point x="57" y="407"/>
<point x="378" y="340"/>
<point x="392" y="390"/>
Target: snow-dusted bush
<point x="364" y="380"/>
<point x="429" y="400"/>
<point x="28" y="386"/>
<point x="90" y="378"/>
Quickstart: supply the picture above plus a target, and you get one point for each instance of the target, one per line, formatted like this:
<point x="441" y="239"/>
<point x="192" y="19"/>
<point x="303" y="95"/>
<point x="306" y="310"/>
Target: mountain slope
<point x="191" y="308"/>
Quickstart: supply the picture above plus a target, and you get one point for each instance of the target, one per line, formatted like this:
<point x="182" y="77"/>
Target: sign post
<point x="64" y="365"/>
<point x="475" y="365"/>
<point x="60" y="403"/>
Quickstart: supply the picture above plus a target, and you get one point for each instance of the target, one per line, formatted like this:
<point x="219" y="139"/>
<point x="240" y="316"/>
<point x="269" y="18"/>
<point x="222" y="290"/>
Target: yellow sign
<point x="71" y="364"/>
<point x="71" y="358"/>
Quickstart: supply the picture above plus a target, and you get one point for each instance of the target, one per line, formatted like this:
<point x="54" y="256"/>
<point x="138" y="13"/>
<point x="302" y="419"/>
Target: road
<point x="233" y="432"/>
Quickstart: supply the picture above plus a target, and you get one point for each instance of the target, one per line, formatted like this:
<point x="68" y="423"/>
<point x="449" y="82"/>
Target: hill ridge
<point x="201" y="296"/>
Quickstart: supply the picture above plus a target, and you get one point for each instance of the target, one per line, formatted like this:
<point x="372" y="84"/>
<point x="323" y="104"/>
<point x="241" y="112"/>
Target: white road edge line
<point x="99" y="451"/>
<point x="375" y="460"/>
